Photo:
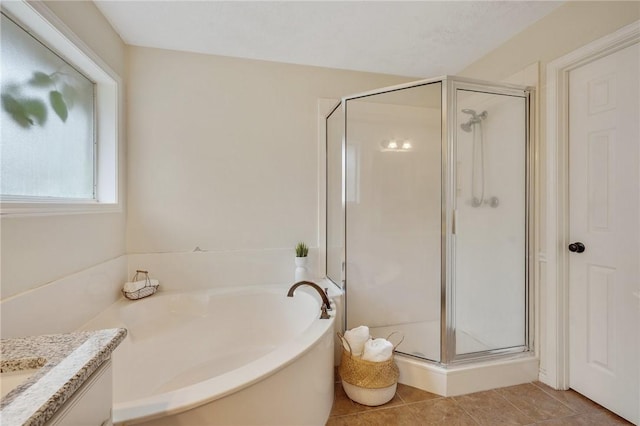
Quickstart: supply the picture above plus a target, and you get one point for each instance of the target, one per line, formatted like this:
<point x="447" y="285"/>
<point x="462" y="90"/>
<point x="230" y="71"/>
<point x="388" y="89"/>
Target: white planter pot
<point x="302" y="270"/>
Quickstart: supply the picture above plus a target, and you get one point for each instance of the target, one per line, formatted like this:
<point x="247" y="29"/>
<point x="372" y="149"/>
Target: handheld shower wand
<point x="477" y="160"/>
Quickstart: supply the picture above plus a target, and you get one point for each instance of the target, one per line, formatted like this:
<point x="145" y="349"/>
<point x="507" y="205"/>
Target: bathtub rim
<point x="197" y="394"/>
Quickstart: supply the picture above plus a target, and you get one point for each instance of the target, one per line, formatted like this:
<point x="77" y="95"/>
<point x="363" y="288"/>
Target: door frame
<point x="554" y="365"/>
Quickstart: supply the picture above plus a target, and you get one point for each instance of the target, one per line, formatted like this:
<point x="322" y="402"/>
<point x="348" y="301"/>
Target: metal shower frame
<point x="449" y="124"/>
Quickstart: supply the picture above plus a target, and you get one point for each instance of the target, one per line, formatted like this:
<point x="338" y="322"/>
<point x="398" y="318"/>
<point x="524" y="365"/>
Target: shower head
<point x="475" y="115"/>
<point x="475" y="118"/>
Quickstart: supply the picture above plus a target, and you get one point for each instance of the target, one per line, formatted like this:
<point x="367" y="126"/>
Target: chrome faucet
<point x="326" y="305"/>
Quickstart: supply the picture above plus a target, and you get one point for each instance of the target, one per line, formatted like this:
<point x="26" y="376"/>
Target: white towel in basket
<point x="130" y="287"/>
<point x="377" y="350"/>
<point x="356" y="338"/>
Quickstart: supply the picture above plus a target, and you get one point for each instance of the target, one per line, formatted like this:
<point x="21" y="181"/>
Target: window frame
<point x="39" y="21"/>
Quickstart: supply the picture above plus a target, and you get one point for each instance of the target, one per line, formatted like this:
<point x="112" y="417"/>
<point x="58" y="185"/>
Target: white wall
<point x="37" y="250"/>
<point x="65" y="304"/>
<point x="224" y="155"/>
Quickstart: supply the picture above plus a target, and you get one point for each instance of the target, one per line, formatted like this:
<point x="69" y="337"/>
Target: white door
<point x="604" y="215"/>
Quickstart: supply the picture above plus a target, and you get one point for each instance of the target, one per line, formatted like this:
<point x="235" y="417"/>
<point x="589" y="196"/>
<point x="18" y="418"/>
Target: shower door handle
<point x="454" y="219"/>
<point x="576" y="247"/>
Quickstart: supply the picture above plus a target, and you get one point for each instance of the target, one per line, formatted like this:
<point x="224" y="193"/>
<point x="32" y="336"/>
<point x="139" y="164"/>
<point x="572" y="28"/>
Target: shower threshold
<point x="470" y="376"/>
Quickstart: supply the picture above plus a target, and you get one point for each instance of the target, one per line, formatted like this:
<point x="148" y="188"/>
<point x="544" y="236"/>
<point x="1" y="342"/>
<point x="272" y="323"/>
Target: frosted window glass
<point x="47" y="121"/>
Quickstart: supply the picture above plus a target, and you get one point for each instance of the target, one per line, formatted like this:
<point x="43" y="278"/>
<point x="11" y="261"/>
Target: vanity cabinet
<point x="90" y="404"/>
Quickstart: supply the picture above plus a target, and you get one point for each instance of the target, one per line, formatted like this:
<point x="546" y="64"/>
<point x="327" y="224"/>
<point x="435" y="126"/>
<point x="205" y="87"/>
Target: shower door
<point x="393" y="170"/>
<point x="488" y="294"/>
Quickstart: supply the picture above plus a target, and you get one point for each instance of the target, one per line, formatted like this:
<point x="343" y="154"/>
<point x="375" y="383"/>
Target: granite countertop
<point x="65" y="361"/>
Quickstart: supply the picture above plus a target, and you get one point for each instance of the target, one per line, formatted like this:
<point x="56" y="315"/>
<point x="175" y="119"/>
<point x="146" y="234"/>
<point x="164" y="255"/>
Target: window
<point x="58" y="118"/>
<point x="47" y="121"/>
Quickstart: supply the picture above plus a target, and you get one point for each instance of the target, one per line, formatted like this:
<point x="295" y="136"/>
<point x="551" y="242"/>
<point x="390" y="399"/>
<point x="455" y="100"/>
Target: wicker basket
<point x="145" y="291"/>
<point x="367" y="382"/>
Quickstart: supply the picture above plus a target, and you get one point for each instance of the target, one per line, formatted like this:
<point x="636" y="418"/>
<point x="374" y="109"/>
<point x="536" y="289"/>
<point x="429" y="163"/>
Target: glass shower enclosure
<point x="428" y="225"/>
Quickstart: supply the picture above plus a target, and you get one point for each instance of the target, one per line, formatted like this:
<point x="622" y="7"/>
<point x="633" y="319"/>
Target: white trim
<point x="556" y="372"/>
<point x="324" y="107"/>
<point x="43" y="23"/>
<point x="463" y="379"/>
<point x="14" y="209"/>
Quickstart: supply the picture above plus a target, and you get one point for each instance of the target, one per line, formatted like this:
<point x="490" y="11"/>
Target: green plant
<point x="29" y="111"/>
<point x="302" y="250"/>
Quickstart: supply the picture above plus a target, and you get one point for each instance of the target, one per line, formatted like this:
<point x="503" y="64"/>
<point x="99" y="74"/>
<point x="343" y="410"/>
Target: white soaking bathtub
<point x="228" y="356"/>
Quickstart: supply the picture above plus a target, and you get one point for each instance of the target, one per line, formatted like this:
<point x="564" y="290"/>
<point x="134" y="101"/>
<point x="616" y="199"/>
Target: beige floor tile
<point x="342" y="405"/>
<point x="571" y="398"/>
<point x="490" y="408"/>
<point x="534" y="402"/>
<point x="586" y="419"/>
<point x="400" y="416"/>
<point x="516" y="405"/>
<point x="441" y="411"/>
<point x="350" y="420"/>
<point x="411" y="394"/>
<point x="609" y="418"/>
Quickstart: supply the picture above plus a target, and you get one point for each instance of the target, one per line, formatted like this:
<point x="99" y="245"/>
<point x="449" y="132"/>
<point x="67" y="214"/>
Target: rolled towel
<point x="356" y="338"/>
<point x="130" y="287"/>
<point x="377" y="350"/>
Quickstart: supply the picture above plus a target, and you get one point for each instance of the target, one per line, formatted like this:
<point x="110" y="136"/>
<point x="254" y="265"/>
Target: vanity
<point x="58" y="379"/>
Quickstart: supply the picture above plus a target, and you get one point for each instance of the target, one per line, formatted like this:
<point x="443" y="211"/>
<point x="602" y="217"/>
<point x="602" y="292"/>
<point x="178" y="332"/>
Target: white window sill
<point x="18" y="209"/>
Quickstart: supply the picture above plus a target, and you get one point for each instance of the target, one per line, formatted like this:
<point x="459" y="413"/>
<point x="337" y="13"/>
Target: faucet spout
<point x="326" y="304"/>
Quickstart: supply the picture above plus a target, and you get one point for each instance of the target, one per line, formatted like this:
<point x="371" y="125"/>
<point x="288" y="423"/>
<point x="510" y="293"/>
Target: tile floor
<point x="527" y="404"/>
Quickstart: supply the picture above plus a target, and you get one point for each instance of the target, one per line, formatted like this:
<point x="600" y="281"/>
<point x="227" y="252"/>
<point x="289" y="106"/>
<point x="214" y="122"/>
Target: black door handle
<point x="576" y="247"/>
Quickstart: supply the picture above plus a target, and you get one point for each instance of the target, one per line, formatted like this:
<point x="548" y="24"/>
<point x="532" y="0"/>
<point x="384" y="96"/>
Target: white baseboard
<point x="476" y="377"/>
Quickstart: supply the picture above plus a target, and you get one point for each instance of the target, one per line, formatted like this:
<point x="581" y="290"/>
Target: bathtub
<point x="243" y="356"/>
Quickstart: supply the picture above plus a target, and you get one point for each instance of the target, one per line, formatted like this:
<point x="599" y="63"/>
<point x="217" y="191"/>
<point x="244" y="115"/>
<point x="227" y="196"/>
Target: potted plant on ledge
<point x="302" y="261"/>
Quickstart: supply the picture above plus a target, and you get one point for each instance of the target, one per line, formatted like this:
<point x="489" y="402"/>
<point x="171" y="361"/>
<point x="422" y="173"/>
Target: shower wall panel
<point x="393" y="196"/>
<point x="335" y="195"/>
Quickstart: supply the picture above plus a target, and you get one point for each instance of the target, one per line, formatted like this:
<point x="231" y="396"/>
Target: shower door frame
<point x="449" y="86"/>
<point x="342" y="282"/>
<point x="443" y="153"/>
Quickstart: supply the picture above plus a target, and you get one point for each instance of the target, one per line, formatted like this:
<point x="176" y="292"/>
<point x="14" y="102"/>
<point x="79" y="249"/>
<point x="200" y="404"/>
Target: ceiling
<point x="413" y="38"/>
